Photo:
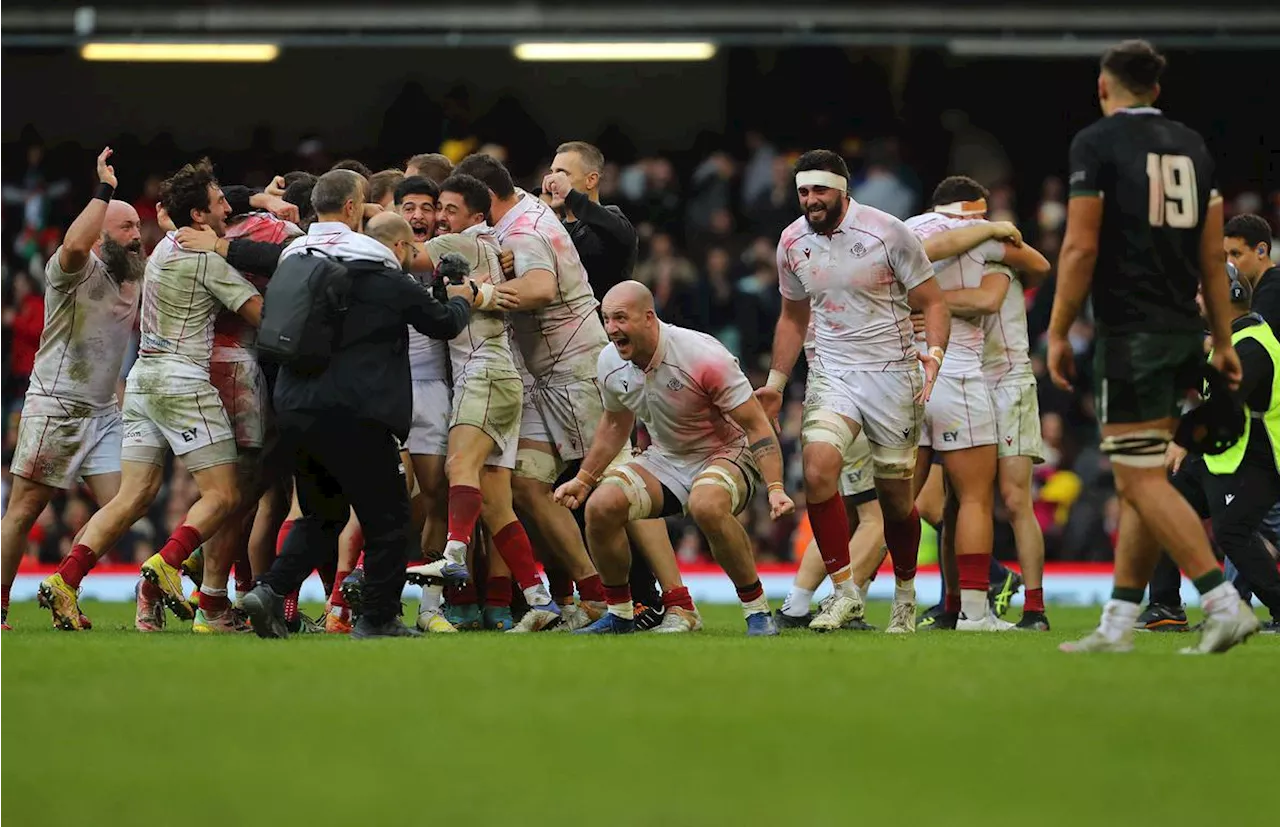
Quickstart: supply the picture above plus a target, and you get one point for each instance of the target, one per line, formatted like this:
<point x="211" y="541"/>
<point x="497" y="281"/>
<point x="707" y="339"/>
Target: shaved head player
<point x="70" y="427"/>
<point x="711" y="444"/>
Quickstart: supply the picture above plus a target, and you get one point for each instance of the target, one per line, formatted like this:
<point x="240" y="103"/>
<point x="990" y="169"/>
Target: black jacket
<point x="604" y="239"/>
<point x="368" y="374"/>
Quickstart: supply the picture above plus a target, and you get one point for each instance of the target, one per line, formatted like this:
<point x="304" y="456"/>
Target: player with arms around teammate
<point x="859" y="272"/>
<point x="484" y="426"/>
<point x="961" y="418"/>
<point x="556" y="328"/>
<point x="1144" y="228"/>
<point x="711" y="444"/>
<point x="70" y="425"/>
<point x="170" y="404"/>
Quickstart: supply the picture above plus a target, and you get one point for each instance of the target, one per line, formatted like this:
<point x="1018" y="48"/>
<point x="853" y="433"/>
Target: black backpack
<point x="302" y="311"/>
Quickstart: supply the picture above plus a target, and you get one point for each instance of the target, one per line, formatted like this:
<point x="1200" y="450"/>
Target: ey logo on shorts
<point x="188" y="435"/>
<point x="950" y="436"/>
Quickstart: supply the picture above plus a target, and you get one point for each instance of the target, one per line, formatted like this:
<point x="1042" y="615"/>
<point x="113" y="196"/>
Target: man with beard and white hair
<point x="71" y="427"/>
<point x="859" y="272"/>
<point x="171" y="406"/>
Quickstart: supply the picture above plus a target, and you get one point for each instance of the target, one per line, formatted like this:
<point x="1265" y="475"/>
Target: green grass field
<point x="111" y="727"/>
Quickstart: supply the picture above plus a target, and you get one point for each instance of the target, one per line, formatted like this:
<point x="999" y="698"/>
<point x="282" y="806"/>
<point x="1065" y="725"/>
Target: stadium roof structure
<point x="964" y="26"/>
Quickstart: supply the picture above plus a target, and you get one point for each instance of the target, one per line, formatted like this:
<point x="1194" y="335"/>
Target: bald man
<point x="71" y="427"/>
<point x="711" y="445"/>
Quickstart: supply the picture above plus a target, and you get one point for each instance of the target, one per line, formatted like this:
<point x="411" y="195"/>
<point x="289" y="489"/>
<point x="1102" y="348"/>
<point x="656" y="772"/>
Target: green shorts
<point x="1139" y="377"/>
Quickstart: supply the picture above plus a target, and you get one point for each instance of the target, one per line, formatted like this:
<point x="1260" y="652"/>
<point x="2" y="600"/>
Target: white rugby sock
<point x="432" y="599"/>
<point x="797" y="602"/>
<point x="1118" y="618"/>
<point x="455" y="551"/>
<point x="973" y="603"/>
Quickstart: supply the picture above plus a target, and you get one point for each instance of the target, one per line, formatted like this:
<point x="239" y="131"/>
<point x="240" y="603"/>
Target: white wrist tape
<point x="777" y="381"/>
<point x="821" y="178"/>
<point x="488" y="297"/>
<point x="937" y="353"/>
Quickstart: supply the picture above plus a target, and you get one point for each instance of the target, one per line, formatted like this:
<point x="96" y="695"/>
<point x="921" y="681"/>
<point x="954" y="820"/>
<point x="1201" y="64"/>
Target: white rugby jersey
<point x="182" y="292"/>
<point x="562" y="340"/>
<point x="683" y="397"/>
<point x="484" y="342"/>
<point x="857" y="280"/>
<point x="1006" y="357"/>
<point x="964" y="350"/>
<point x="88" y="319"/>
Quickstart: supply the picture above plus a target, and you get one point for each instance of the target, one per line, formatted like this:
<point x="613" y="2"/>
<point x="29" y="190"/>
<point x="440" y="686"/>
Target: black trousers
<point x="1236" y="504"/>
<point x="341" y="464"/>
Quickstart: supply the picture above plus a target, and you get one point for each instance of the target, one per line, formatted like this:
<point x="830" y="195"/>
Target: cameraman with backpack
<point x="336" y="320"/>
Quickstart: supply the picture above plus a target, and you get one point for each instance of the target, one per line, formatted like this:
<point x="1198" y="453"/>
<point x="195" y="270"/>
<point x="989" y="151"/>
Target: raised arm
<point x="85" y="231"/>
<point x="961" y="240"/>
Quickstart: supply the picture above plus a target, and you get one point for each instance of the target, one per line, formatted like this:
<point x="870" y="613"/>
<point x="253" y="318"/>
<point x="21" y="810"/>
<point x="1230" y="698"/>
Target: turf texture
<point x="112" y="727"/>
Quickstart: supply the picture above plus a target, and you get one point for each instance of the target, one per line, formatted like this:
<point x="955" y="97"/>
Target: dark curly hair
<point x="187" y="190"/>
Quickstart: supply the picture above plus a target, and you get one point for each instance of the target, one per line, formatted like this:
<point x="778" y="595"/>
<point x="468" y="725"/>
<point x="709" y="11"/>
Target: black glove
<point x="453" y="267"/>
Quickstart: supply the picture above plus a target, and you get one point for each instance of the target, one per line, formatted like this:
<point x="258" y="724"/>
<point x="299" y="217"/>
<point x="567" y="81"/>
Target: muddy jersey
<point x="484" y="342"/>
<point x="559" y="342"/>
<point x="182" y="292"/>
<point x="88" y="320"/>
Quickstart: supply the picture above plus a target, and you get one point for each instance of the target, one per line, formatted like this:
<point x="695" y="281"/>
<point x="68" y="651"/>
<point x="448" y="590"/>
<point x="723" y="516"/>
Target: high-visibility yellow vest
<point x="1228" y="461"/>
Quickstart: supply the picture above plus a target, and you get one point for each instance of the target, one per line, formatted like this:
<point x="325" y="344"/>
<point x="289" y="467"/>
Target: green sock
<point x="1127" y="595"/>
<point x="1211" y="579"/>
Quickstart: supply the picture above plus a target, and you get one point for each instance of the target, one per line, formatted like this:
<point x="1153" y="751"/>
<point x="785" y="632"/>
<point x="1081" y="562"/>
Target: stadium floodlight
<point x="621" y="52"/>
<point x="181" y="52"/>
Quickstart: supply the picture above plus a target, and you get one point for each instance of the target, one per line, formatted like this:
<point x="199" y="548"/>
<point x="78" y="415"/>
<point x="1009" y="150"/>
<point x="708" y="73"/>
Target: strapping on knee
<point x="639" y="503"/>
<point x="537" y="465"/>
<point x="1138" y="449"/>
<point x="828" y="427"/>
<point x="717" y="476"/>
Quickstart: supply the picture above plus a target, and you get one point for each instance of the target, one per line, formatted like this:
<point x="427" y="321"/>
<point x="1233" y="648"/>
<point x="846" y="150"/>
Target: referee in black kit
<point x="606" y="242"/>
<point x="339" y="423"/>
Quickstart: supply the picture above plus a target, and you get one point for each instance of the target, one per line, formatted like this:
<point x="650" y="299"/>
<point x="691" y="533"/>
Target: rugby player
<point x="607" y="244"/>
<point x="559" y="336"/>
<point x="484" y="424"/>
<point x="860" y="272"/>
<point x="234" y="371"/>
<point x="712" y="442"/>
<point x="417" y="200"/>
<point x="960" y="417"/>
<point x="70" y="427"/>
<point x="857" y="489"/>
<point x="1144" y="227"/>
<point x="171" y="406"/>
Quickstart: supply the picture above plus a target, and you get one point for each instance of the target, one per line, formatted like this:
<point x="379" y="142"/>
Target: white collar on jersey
<point x="660" y="351"/>
<point x="1138" y="110"/>
<point x="524" y="203"/>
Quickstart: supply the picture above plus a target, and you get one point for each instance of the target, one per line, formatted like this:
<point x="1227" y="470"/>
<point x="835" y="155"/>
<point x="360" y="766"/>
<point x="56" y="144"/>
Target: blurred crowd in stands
<point x="708" y="228"/>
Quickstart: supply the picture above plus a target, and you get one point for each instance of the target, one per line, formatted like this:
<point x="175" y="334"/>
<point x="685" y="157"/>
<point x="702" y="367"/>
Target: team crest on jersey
<point x="675" y="385"/>
<point x="858" y="249"/>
